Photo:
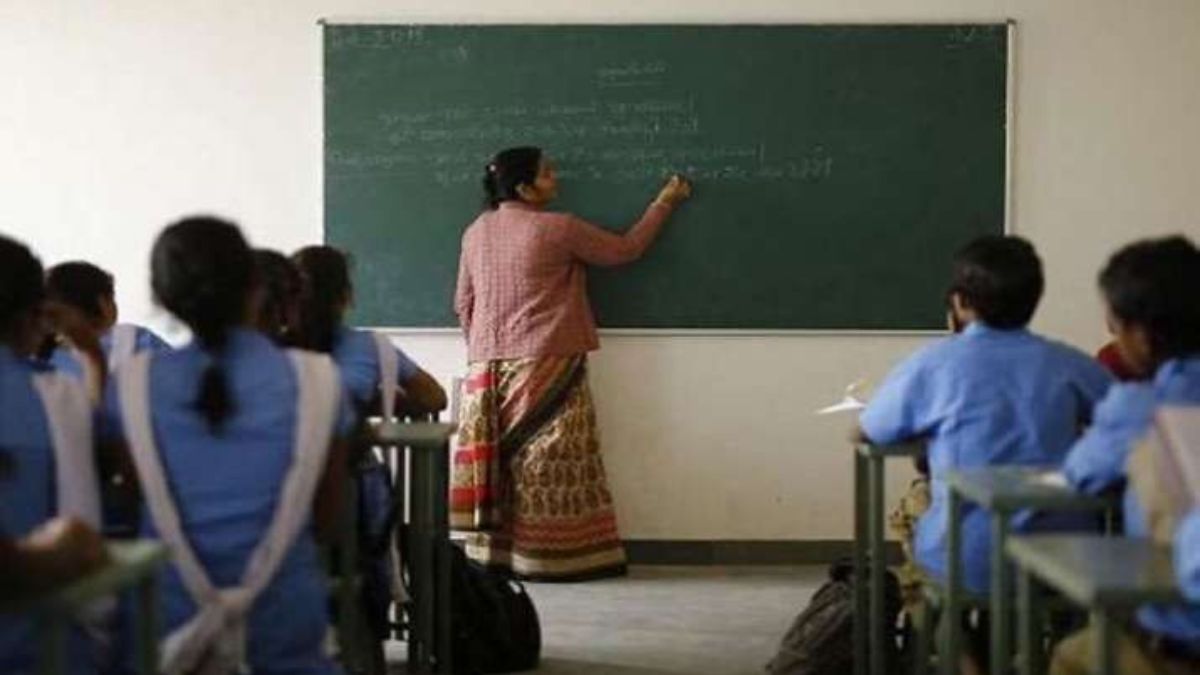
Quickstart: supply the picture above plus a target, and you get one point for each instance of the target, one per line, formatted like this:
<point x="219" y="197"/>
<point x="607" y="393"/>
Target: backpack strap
<point x="122" y="346"/>
<point x="69" y="418"/>
<point x="213" y="641"/>
<point x="389" y="373"/>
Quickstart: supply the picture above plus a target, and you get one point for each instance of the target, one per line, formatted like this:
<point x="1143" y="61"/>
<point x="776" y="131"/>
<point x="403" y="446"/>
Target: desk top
<point x="898" y="450"/>
<point x="1009" y="488"/>
<point x="1099" y="571"/>
<point x="413" y="434"/>
<point x="130" y="562"/>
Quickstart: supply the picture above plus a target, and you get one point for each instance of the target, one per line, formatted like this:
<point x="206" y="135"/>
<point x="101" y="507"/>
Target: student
<point x="362" y="356"/>
<point x="46" y="433"/>
<point x="239" y="456"/>
<point x="89" y="289"/>
<point x="993" y="394"/>
<point x="276" y="296"/>
<point x="1150" y="289"/>
<point x="372" y="369"/>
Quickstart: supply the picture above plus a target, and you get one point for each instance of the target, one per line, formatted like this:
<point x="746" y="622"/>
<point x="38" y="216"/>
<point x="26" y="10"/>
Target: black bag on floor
<point x="495" y="625"/>
<point x="821" y="639"/>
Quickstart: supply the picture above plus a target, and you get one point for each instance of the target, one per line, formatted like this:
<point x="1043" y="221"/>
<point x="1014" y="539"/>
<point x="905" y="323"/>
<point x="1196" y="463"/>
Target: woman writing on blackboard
<point x="528" y="480"/>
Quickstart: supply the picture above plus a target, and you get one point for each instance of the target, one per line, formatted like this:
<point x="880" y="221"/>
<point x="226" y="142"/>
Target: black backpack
<point x="494" y="624"/>
<point x="821" y="639"/>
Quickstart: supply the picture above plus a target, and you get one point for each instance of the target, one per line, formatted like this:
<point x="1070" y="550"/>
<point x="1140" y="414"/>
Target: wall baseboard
<point x="744" y="552"/>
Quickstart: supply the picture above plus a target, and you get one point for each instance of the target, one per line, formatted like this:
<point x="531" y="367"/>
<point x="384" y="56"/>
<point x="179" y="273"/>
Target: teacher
<point x="528" y="482"/>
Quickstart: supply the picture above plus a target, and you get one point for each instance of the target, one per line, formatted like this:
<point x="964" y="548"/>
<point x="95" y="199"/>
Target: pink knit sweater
<point x="522" y="279"/>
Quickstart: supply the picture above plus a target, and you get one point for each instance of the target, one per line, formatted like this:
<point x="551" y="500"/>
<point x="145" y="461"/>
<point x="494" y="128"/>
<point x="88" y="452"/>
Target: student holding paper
<point x="1150" y="288"/>
<point x="993" y="394"/>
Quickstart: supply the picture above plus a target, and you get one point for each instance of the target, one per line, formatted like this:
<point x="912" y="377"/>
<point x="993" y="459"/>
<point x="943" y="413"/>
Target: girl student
<point x="239" y="453"/>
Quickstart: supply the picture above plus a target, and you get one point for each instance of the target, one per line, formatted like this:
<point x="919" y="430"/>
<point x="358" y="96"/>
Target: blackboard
<point x="837" y="167"/>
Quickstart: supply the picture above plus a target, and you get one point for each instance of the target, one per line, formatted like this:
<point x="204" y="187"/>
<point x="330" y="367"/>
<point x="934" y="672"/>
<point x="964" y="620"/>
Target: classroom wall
<point x="119" y="116"/>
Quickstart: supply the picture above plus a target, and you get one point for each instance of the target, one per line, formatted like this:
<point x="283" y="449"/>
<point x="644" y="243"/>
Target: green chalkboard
<point x="837" y="168"/>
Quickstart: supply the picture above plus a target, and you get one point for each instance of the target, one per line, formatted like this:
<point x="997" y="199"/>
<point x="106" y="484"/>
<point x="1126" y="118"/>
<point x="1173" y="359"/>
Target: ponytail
<point x="213" y="400"/>
<point x="201" y="271"/>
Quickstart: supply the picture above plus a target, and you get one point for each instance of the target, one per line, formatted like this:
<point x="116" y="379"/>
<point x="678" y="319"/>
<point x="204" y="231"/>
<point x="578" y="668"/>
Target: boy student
<point x="1150" y="288"/>
<point x="89" y="289"/>
<point x="994" y="393"/>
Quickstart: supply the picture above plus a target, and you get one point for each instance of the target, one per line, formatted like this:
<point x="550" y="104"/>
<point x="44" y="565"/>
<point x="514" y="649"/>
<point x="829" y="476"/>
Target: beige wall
<point x="120" y="115"/>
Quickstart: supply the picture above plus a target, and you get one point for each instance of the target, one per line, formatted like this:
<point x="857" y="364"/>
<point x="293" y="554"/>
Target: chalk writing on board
<point x="632" y="74"/>
<point x="576" y="109"/>
<point x="380" y="37"/>
<point x="641" y="139"/>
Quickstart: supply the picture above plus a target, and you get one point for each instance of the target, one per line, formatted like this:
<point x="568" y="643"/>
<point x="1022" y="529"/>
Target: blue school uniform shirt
<point x="1187" y="555"/>
<point x="226" y="486"/>
<point x="1098" y="462"/>
<point x="64" y="360"/>
<point x="355" y="353"/>
<point x="28" y="498"/>
<point x="143" y="339"/>
<point x="983" y="397"/>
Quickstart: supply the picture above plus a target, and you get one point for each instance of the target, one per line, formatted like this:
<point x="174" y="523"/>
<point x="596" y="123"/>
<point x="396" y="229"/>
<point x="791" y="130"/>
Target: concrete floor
<point x="669" y="620"/>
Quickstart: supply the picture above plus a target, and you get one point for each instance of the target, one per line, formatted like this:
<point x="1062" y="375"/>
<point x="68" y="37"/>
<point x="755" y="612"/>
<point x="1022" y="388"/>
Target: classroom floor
<point x="667" y="620"/>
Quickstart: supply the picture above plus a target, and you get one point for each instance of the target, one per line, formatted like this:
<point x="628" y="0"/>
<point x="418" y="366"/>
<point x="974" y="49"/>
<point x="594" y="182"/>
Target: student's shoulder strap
<point x="69" y="418"/>
<point x="215" y="636"/>
<point x="133" y="388"/>
<point x="123" y="345"/>
<point x="318" y="402"/>
<point x="389" y="373"/>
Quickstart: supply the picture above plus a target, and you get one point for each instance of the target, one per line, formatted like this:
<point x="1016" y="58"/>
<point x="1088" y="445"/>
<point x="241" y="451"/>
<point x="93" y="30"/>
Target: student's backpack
<point x="821" y="639"/>
<point x="494" y="624"/>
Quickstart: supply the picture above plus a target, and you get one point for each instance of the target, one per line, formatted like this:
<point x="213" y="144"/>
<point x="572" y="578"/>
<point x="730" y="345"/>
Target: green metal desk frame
<point x="869" y="555"/>
<point x="1003" y="491"/>
<point x="429" y="646"/>
<point x="1107" y="576"/>
<point x="133" y="564"/>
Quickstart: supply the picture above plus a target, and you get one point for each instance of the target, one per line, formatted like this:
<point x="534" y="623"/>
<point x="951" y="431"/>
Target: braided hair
<point x="201" y="271"/>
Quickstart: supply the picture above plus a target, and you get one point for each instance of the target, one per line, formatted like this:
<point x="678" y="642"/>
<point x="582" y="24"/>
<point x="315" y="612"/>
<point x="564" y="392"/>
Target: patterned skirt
<point x="528" y="484"/>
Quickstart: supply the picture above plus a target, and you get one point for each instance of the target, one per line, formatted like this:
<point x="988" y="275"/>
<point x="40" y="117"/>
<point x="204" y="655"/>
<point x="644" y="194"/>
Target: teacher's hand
<point x="676" y="190"/>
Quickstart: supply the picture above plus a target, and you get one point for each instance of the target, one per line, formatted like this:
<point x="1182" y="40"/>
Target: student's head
<point x="85" y="287"/>
<point x="996" y="280"/>
<point x="523" y="174"/>
<point x="22" y="292"/>
<point x="201" y="271"/>
<point x="276" y="299"/>
<point x="326" y="293"/>
<point x="1152" y="289"/>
